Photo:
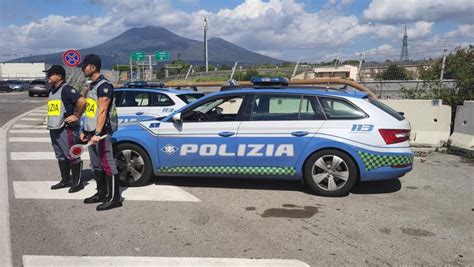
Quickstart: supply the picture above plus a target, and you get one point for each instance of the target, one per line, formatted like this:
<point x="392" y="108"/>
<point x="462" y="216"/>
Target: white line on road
<point x="37" y="131"/>
<point x="39" y="156"/>
<point x="32" y="119"/>
<point x="29" y="126"/>
<point x="123" y="261"/>
<point x="29" y="140"/>
<point x="5" y="241"/>
<point x="37" y="115"/>
<point x="41" y="190"/>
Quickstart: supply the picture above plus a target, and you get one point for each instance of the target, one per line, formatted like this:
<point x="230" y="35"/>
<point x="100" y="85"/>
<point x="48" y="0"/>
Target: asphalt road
<point x="424" y="218"/>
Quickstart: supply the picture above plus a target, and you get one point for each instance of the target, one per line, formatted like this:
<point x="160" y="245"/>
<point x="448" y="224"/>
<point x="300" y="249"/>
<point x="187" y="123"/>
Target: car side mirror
<point x="177" y="118"/>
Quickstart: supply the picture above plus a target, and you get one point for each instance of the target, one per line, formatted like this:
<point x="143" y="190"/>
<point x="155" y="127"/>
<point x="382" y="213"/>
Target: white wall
<point x="22" y="70"/>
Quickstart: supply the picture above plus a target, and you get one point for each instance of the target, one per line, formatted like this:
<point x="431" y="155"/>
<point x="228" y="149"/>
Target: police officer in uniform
<point x="100" y="120"/>
<point x="65" y="107"/>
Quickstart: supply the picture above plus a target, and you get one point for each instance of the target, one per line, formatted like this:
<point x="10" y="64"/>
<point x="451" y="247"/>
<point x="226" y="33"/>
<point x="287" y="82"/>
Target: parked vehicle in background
<point x="16" y="85"/>
<point x="138" y="104"/>
<point x="38" y="87"/>
<point x="5" y="87"/>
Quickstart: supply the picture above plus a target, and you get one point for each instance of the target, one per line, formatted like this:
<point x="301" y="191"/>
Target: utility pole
<point x="441" y="76"/>
<point x="295" y="70"/>
<point x="131" y="69"/>
<point x="360" y="66"/>
<point x="233" y="70"/>
<point x="150" y="68"/>
<point x="189" y="71"/>
<point x="205" y="44"/>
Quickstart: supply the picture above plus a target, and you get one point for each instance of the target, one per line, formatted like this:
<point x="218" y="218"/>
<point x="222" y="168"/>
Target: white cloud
<point x="281" y="28"/>
<point x="416" y="10"/>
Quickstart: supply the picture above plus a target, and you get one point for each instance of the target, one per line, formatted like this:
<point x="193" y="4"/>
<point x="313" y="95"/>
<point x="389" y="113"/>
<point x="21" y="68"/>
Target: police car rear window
<point x="188" y="98"/>
<point x="385" y="108"/>
<point x="339" y="109"/>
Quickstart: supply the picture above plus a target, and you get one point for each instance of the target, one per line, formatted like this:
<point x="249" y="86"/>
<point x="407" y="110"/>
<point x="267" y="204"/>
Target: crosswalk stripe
<point x="41" y="190"/>
<point x="29" y="140"/>
<point x="34" y="131"/>
<point x="122" y="261"/>
<point x="32" y="119"/>
<point x="28" y="126"/>
<point x="39" y="156"/>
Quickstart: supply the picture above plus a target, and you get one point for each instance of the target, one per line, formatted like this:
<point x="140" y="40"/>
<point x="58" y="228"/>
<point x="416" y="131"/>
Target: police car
<point x="138" y="104"/>
<point x="328" y="138"/>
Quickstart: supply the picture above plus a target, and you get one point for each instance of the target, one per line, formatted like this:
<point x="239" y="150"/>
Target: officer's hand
<point x="83" y="137"/>
<point x="95" y="139"/>
<point x="71" y="119"/>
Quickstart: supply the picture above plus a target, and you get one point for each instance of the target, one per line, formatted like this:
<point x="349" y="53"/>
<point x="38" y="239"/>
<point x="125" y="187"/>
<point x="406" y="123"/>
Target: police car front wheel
<point x="133" y="165"/>
<point x="330" y="173"/>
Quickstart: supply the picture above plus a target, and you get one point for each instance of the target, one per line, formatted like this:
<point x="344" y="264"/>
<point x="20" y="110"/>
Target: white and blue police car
<point x="139" y="104"/>
<point x="327" y="137"/>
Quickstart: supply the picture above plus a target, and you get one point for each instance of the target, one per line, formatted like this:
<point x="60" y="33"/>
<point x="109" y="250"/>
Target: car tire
<point x="133" y="165"/>
<point x="330" y="173"/>
<point x="31" y="95"/>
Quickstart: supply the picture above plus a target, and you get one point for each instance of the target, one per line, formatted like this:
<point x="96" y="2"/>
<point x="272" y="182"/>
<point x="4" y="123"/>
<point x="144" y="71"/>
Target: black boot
<point x="101" y="195"/>
<point x="76" y="171"/>
<point x="114" y="198"/>
<point x="65" y="170"/>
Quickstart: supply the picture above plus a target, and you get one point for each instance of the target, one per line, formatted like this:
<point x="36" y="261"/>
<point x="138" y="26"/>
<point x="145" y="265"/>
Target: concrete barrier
<point x="430" y="121"/>
<point x="463" y="134"/>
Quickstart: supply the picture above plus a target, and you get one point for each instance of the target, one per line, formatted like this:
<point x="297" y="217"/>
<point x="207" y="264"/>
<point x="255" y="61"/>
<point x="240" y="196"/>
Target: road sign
<point x="161" y="55"/>
<point x="138" y="55"/>
<point x="71" y="58"/>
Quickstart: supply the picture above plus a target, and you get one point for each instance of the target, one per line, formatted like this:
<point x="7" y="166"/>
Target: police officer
<point x="65" y="107"/>
<point x="100" y="120"/>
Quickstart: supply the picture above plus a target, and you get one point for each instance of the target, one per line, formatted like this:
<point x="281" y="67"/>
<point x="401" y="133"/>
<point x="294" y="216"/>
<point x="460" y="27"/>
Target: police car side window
<point x="161" y="100"/>
<point x="339" y="109"/>
<point x="134" y="99"/>
<point x="269" y="107"/>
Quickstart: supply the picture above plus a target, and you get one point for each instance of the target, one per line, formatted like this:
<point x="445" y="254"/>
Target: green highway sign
<point x="161" y="55"/>
<point x="138" y="55"/>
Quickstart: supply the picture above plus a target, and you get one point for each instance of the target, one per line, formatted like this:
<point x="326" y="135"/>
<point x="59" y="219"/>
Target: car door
<point x="204" y="141"/>
<point x="276" y="130"/>
<point x="134" y="105"/>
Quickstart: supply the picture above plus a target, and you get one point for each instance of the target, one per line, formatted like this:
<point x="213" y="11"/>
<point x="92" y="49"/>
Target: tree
<point x="394" y="72"/>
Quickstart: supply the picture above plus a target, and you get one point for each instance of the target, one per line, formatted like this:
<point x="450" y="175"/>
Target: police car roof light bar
<point x="259" y="82"/>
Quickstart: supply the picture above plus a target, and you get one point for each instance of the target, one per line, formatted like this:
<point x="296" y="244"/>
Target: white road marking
<point x="37" y="115"/>
<point x="29" y="140"/>
<point x="124" y="261"/>
<point x="35" y="131"/>
<point x="28" y="126"/>
<point x="5" y="240"/>
<point x="5" y="246"/>
<point x="32" y="119"/>
<point x="39" y="155"/>
<point x="41" y="190"/>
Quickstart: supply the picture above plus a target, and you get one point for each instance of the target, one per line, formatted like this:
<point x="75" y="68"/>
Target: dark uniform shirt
<point x="69" y="97"/>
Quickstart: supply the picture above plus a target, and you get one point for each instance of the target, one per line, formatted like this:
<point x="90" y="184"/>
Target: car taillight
<point x="393" y="136"/>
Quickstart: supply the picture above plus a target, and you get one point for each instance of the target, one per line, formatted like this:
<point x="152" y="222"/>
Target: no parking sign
<point x="71" y="58"/>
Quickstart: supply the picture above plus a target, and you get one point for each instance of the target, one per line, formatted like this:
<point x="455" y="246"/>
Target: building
<point x="346" y="72"/>
<point x="22" y="71"/>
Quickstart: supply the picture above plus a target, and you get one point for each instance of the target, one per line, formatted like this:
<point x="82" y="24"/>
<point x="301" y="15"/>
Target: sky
<point x="294" y="30"/>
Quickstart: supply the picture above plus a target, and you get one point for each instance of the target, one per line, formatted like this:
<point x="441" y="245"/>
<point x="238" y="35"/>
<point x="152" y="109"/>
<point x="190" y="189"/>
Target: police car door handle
<point x="226" y="134"/>
<point x="299" y="133"/>
<point x="139" y="113"/>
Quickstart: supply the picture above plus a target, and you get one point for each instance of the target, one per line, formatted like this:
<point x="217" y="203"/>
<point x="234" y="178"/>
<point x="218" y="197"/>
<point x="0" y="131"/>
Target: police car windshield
<point x="209" y="105"/>
<point x="188" y="98"/>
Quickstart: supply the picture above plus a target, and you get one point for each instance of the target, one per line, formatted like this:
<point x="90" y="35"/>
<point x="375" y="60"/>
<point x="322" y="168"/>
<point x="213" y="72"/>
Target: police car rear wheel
<point x="133" y="165"/>
<point x="330" y="173"/>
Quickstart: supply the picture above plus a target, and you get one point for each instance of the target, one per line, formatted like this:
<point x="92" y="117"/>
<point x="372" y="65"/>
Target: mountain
<point x="151" y="39"/>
